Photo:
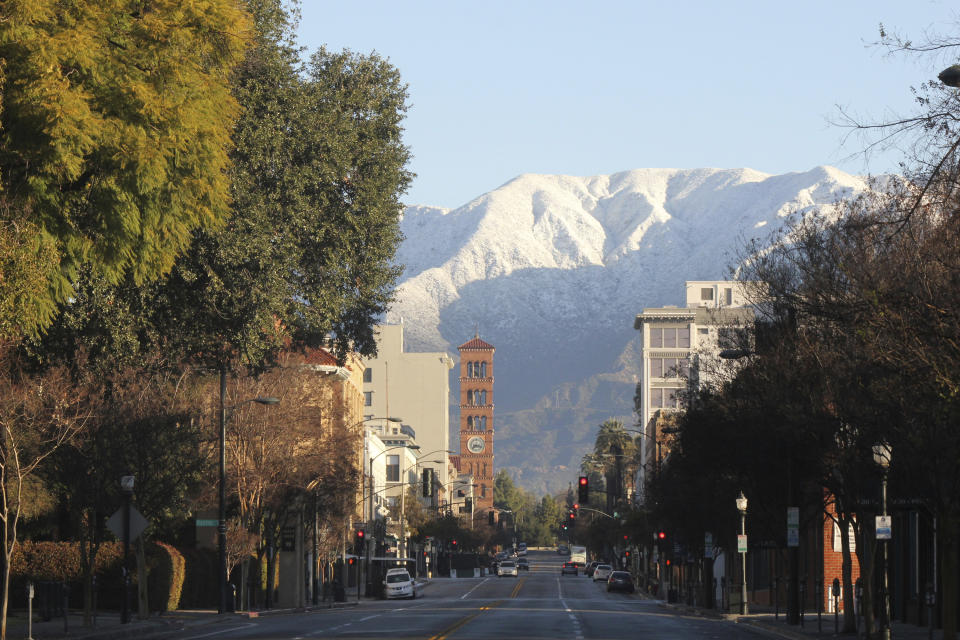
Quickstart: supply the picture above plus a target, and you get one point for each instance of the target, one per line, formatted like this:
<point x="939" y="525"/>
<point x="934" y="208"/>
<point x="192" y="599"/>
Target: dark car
<point x="620" y="581"/>
<point x="523" y="564"/>
<point x="589" y="570"/>
<point x="569" y="567"/>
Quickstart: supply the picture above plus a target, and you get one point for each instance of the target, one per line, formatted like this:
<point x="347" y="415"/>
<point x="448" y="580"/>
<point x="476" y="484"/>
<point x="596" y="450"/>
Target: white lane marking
<point x="216" y="633"/>
<point x="370" y="617"/>
<point x="472" y="590"/>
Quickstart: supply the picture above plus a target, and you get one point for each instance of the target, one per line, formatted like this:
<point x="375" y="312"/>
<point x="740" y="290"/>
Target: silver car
<point x="602" y="572"/>
<point x="507" y="568"/>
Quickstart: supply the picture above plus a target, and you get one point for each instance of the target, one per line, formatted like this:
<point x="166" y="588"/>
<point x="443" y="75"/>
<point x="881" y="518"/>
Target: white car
<point x="399" y="584"/>
<point x="602" y="572"/>
<point x="507" y="568"/>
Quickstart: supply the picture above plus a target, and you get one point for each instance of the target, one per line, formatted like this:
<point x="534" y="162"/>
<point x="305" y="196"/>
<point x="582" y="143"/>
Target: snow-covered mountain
<point x="552" y="270"/>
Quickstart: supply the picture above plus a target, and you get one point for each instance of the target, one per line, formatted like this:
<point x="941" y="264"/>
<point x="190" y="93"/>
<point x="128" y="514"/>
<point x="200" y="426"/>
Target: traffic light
<point x="453" y="545"/>
<point x="572" y="518"/>
<point x="490" y="518"/>
<point x="427" y="483"/>
<point x="576" y="508"/>
<point x="661" y="535"/>
<point x="583" y="490"/>
<point x="358" y="540"/>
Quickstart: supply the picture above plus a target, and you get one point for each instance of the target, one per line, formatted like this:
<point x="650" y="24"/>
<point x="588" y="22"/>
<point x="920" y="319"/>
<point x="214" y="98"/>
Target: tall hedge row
<point x="175" y="579"/>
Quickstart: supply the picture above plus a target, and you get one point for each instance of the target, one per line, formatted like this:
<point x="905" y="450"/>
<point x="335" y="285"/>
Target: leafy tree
<point x="116" y="125"/>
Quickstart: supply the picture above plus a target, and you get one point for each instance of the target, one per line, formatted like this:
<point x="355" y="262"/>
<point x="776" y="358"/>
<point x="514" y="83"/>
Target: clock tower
<point x="476" y="419"/>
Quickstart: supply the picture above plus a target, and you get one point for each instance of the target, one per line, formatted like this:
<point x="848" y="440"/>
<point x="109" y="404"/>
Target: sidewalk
<point x="772" y="624"/>
<point x="108" y="626"/>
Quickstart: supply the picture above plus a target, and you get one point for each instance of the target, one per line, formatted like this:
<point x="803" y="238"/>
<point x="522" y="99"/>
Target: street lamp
<point x="222" y="517"/>
<point x="126" y="485"/>
<point x="950" y="76"/>
<point x="742" y="508"/>
<point x="881" y="455"/>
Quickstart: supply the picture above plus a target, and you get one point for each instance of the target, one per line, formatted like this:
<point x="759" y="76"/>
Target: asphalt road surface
<point x="538" y="604"/>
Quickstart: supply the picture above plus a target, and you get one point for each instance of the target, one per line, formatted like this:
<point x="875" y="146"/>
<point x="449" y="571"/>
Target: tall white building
<point x="414" y="387"/>
<point x="674" y="339"/>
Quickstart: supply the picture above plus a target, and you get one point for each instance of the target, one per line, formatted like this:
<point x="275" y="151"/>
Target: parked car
<point x="602" y="572"/>
<point x="507" y="568"/>
<point x="569" y="567"/>
<point x="620" y="581"/>
<point x="588" y="570"/>
<point x="523" y="563"/>
<point x="399" y="584"/>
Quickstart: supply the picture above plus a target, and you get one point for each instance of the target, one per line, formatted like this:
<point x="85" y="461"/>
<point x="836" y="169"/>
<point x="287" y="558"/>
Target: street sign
<point x="137" y="523"/>
<point x="793" y="526"/>
<point x="741" y="543"/>
<point x="883" y="527"/>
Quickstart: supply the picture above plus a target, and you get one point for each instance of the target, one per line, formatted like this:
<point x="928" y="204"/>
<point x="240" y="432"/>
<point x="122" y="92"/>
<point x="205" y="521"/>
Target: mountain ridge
<point x="552" y="270"/>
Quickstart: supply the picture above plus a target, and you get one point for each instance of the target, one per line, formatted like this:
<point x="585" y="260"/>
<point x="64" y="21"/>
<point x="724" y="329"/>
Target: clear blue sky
<point x="502" y="88"/>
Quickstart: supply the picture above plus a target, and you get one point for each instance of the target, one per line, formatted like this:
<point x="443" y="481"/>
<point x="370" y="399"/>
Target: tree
<point x="37" y="416"/>
<point x="116" y="127"/>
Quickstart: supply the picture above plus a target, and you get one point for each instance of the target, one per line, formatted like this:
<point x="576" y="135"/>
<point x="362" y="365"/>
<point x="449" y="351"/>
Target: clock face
<point x="476" y="444"/>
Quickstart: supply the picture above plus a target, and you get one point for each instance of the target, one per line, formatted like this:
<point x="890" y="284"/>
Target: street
<point x="539" y="604"/>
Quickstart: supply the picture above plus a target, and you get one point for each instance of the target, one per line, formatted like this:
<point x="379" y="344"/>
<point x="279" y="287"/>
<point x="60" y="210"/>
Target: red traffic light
<point x="360" y="533"/>
<point x="572" y="515"/>
<point x="625" y="536"/>
<point x="350" y="561"/>
<point x="583" y="481"/>
<point x="626" y="554"/>
<point x="661" y="535"/>
<point x="575" y="506"/>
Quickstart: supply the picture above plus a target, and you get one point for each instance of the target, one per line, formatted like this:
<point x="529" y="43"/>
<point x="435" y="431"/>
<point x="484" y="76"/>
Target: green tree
<point x="115" y="125"/>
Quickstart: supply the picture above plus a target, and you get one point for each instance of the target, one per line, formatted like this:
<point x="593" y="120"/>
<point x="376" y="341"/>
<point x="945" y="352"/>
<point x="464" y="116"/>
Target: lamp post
<point x="126" y="485"/>
<point x="222" y="516"/>
<point x="742" y="508"/>
<point x="881" y="455"/>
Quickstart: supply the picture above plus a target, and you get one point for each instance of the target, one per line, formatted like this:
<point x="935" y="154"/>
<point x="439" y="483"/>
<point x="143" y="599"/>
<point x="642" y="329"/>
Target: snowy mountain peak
<point x="553" y="268"/>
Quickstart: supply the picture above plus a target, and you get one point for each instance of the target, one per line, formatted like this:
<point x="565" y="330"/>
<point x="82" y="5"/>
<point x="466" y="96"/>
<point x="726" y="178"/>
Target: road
<point x="539" y="604"/>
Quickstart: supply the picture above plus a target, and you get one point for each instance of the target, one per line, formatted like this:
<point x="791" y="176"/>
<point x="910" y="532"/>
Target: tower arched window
<point x="484" y="469"/>
<point x="483" y="369"/>
<point x="469" y="422"/>
<point x="469" y="369"/>
<point x="469" y="397"/>
<point x="483" y="423"/>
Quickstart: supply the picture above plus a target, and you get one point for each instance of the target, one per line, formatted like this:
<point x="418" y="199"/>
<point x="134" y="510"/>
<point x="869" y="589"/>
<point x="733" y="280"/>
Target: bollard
<point x="803" y="599"/>
<point x="819" y="589"/>
<point x="29" y="611"/>
<point x="835" y="590"/>
<point x="776" y="599"/>
<point x="66" y="607"/>
<point x="94" y="594"/>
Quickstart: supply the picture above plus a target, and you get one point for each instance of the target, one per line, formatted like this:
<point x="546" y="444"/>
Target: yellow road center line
<point x="516" y="589"/>
<point x="459" y="623"/>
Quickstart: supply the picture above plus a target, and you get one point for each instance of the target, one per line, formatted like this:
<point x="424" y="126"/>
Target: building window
<point x="670" y="338"/>
<point x="703" y="331"/>
<point x="368" y="375"/>
<point x="393" y="468"/>
<point x="656" y="337"/>
<point x="483" y="369"/>
<point x="469" y="369"/>
<point x="392" y="501"/>
<point x="728" y="296"/>
<point x="368" y="398"/>
<point x="706" y="293"/>
<point x="483" y="491"/>
<point x="661" y="398"/>
<point x="469" y="422"/>
<point x="483" y="423"/>
<point x="669" y="367"/>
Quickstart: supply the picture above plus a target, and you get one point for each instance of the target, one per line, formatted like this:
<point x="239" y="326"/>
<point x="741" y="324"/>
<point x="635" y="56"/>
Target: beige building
<point x="675" y="343"/>
<point x="414" y="387"/>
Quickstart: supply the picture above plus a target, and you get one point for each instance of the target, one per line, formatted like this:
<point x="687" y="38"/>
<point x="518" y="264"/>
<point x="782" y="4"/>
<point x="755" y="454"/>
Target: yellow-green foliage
<point x="115" y="127"/>
<point x="166" y="578"/>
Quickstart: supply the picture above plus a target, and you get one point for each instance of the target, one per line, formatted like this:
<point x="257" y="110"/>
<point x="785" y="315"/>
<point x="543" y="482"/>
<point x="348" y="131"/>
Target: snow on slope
<point x="552" y="269"/>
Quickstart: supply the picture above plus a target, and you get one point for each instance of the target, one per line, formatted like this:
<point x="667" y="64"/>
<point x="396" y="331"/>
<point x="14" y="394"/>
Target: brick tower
<point x="476" y="419"/>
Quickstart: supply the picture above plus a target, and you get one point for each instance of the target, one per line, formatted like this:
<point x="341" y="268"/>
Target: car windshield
<point x="620" y="574"/>
<point x="507" y="564"/>
<point x="398" y="577"/>
<point x="605" y="567"/>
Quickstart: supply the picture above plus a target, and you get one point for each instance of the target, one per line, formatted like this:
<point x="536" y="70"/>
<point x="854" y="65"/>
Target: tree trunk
<point x="7" y="555"/>
<point x="846" y="570"/>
